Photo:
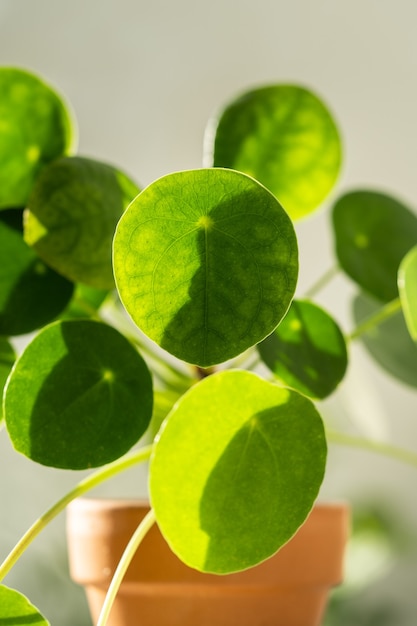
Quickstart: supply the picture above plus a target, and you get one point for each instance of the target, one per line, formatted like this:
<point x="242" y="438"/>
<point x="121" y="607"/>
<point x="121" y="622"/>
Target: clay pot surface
<point x="289" y="589"/>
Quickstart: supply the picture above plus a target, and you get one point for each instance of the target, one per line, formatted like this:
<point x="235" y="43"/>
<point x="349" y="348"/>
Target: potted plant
<point x="171" y="313"/>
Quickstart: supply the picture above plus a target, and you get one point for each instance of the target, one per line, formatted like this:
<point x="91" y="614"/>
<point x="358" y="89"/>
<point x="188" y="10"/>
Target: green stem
<point x="406" y="456"/>
<point x="384" y="313"/>
<point x="123" y="564"/>
<point x="322" y="282"/>
<point x="85" y="485"/>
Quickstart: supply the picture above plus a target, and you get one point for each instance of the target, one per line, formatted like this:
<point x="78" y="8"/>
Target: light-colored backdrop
<point x="143" y="78"/>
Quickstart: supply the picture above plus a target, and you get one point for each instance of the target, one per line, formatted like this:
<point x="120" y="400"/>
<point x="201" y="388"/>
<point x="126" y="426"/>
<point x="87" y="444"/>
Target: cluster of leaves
<point x="205" y="263"/>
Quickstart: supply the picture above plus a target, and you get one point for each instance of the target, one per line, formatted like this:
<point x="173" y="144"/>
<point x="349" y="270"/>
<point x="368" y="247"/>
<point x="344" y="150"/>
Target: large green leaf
<point x="235" y="470"/>
<point x="72" y="215"/>
<point x="407" y="286"/>
<point x="373" y="232"/>
<point x="31" y="293"/>
<point x="7" y="359"/>
<point x="307" y="351"/>
<point x="16" y="610"/>
<point x="285" y="137"/>
<point x="388" y="343"/>
<point x="36" y="126"/>
<point x="206" y="263"/>
<point x="79" y="396"/>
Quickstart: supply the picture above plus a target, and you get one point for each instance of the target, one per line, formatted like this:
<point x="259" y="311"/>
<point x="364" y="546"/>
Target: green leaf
<point x="285" y="137"/>
<point x="86" y="302"/>
<point x="206" y="263"/>
<point x="407" y="286"/>
<point x="388" y="343"/>
<point x="7" y="358"/>
<point x="373" y="232"/>
<point x="73" y="211"/>
<point x="307" y="351"/>
<point x="31" y="293"/>
<point x="235" y="470"/>
<point x="36" y="126"/>
<point x="79" y="396"/>
<point x="16" y="610"/>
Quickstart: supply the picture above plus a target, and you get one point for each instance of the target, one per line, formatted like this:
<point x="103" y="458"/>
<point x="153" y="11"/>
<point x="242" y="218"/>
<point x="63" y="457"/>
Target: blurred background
<point x="143" y="79"/>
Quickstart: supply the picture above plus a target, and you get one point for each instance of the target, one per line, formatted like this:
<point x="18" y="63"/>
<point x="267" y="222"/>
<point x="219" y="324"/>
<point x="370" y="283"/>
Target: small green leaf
<point x="285" y="137"/>
<point x="307" y="351"/>
<point x="407" y="286"/>
<point x="31" y="293"/>
<point x="235" y="470"/>
<point x="373" y="232"/>
<point x="85" y="302"/>
<point x="206" y="263"/>
<point x="72" y="215"/>
<point x="36" y="126"/>
<point x="7" y="359"/>
<point x="16" y="610"/>
<point x="388" y="343"/>
<point x="79" y="396"/>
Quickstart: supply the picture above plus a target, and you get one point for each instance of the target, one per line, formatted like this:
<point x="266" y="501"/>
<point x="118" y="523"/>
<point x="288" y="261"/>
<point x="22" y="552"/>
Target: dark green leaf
<point x="388" y="343"/>
<point x="285" y="137"/>
<point x="307" y="351"/>
<point x="407" y="286"/>
<point x="373" y="232"/>
<point x="31" y="293"/>
<point x="73" y="211"/>
<point x="35" y="127"/>
<point x="16" y="610"/>
<point x="79" y="396"/>
<point x="229" y="501"/>
<point x="206" y="263"/>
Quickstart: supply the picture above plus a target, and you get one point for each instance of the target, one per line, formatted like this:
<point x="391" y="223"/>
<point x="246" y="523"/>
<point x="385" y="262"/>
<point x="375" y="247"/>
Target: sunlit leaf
<point x="407" y="286"/>
<point x="388" y="343"/>
<point x="36" y="126"/>
<point x="79" y="396"/>
<point x="285" y="137"/>
<point x="373" y="232"/>
<point x="72" y="215"/>
<point x="16" y="610"/>
<point x="7" y="358"/>
<point x="206" y="263"/>
<point x="229" y="501"/>
<point x="31" y="293"/>
<point x="307" y="351"/>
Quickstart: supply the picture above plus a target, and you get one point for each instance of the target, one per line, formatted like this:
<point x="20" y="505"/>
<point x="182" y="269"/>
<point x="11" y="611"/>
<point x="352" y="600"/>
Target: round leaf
<point x="388" y="343"/>
<point x="7" y="358"/>
<point x="72" y="216"/>
<point x="235" y="470"/>
<point x="16" y="610"/>
<point x="407" y="286"/>
<point x="206" y="263"/>
<point x="31" y="293"/>
<point x="373" y="232"/>
<point x="285" y="137"/>
<point x="79" y="396"/>
<point x="307" y="351"/>
<point x="36" y="126"/>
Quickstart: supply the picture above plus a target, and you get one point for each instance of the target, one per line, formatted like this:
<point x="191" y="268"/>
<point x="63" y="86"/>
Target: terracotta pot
<point x="289" y="589"/>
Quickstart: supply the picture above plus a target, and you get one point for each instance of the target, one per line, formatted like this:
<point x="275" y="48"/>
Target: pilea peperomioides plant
<point x="205" y="263"/>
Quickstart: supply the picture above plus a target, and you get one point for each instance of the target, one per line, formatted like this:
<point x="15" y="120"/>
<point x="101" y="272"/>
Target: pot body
<point x="289" y="589"/>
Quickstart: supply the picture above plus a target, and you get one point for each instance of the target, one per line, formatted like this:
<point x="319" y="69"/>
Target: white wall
<point x="143" y="78"/>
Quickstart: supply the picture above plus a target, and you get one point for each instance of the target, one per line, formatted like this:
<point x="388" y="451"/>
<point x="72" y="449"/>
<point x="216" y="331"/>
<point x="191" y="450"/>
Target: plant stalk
<point x="85" y="485"/>
<point x="394" y="452"/>
<point x="123" y="564"/>
<point x="322" y="282"/>
<point x="383" y="314"/>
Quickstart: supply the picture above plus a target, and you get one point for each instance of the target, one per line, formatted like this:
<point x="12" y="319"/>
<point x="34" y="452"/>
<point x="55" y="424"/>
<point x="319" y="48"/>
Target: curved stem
<point x="124" y="563"/>
<point x="322" y="282"/>
<point x="406" y="456"/>
<point x="85" y="485"/>
<point x="384" y="313"/>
